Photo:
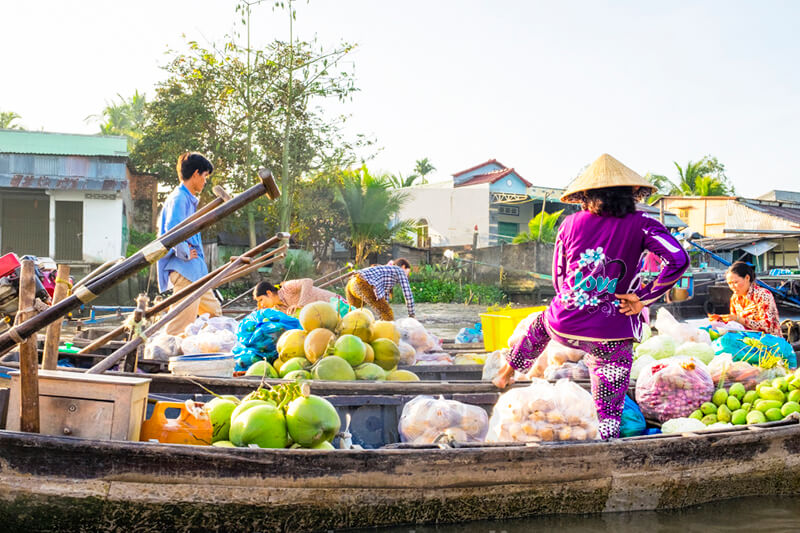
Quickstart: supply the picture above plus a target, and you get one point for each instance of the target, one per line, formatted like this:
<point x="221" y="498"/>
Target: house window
<point x="508" y="210"/>
<point x="25" y="223"/>
<point x="507" y="230"/>
<point x="683" y="213"/>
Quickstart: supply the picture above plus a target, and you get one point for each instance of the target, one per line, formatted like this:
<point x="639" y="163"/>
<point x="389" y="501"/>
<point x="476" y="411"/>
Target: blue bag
<point x="747" y="346"/>
<point x="632" y="423"/>
<point x="257" y="334"/>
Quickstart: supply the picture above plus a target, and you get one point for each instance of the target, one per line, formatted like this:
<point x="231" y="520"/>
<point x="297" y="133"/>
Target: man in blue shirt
<point x="185" y="263"/>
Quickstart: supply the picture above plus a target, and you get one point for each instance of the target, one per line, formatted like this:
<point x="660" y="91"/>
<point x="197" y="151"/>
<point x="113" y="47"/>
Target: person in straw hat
<point x="599" y="296"/>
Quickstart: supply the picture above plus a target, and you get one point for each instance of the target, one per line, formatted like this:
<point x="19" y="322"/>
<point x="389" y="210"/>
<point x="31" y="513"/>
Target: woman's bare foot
<point x="504" y="378"/>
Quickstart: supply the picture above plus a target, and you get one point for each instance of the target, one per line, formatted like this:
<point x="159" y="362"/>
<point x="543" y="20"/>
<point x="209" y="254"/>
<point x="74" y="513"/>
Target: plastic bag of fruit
<point x="673" y="388"/>
<point x="415" y="334"/>
<point x="522" y="328"/>
<point x="162" y="347"/>
<point x="544" y="412"/>
<point x="573" y="371"/>
<point x="425" y="418"/>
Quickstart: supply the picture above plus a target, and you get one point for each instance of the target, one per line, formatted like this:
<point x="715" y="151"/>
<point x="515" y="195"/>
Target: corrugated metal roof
<point x="40" y="142"/>
<point x="726" y="243"/>
<point x="773" y="208"/>
<point x="73" y="172"/>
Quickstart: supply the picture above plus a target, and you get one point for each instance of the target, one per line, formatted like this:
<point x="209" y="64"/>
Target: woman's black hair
<point x="743" y="269"/>
<point x="264" y="287"/>
<point x="189" y="162"/>
<point x="609" y="201"/>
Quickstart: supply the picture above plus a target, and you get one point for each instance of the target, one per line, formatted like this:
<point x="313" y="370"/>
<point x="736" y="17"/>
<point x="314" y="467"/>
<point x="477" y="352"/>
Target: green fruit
<point x="733" y="403"/>
<point x="737" y="390"/>
<point x="698" y="414"/>
<point x="350" y="348"/>
<point x="708" y="408"/>
<point x="298" y="374"/>
<point x="723" y="414"/>
<point x="739" y="417"/>
<point x="780" y="384"/>
<point x="756" y="417"/>
<point x="260" y="368"/>
<point x="766" y="405"/>
<point x="709" y="419"/>
<point x="794" y="396"/>
<point x="773" y="414"/>
<point x="312" y="420"/>
<point x="713" y="334"/>
<point x="387" y="354"/>
<point x="295" y="363"/>
<point x="750" y="396"/>
<point x="747" y="407"/>
<point x="263" y="425"/>
<point x="789" y="408"/>
<point x="223" y="444"/>
<point x="720" y="397"/>
<point x="324" y="445"/>
<point x="219" y="412"/>
<point x="401" y="375"/>
<point x="333" y="369"/>
<point x="771" y="393"/>
<point x="370" y="372"/>
<point x="244" y="406"/>
<point x="794" y="383"/>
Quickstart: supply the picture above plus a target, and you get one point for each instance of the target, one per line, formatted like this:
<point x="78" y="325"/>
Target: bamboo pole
<point x="28" y="354"/>
<point x="97" y="271"/>
<point x="145" y="256"/>
<point x="336" y="280"/>
<point x="220" y="197"/>
<point x="53" y="336"/>
<point x="261" y="263"/>
<point x="138" y="317"/>
<point x="134" y="343"/>
<point x="167" y="302"/>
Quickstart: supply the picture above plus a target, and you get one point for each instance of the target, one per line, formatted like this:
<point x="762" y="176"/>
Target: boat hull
<point x="157" y="487"/>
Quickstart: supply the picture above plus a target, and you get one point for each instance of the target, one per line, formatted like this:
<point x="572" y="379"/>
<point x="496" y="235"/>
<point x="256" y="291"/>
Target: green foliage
<point x="543" y="227"/>
<point x="371" y="207"/>
<point x="399" y="182"/>
<point x="318" y="218"/>
<point x="126" y="117"/>
<point x="705" y="177"/>
<point x="440" y="291"/>
<point x="299" y="264"/>
<point x="7" y="119"/>
<point x="423" y="168"/>
<point x="138" y="239"/>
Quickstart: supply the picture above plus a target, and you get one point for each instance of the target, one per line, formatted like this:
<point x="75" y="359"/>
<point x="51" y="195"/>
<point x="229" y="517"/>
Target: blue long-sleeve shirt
<point x="180" y="205"/>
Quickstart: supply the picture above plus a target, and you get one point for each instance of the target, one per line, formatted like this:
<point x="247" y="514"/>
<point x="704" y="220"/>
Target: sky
<point x="544" y="87"/>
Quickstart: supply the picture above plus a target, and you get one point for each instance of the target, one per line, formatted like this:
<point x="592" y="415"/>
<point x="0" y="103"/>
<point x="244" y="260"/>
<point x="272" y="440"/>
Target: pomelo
<point x="290" y="344"/>
<point x="319" y="315"/>
<point x="324" y="445"/>
<point x="357" y="323"/>
<point x="370" y="372"/>
<point x="333" y="369"/>
<point x="298" y="374"/>
<point x="317" y="343"/>
<point x="387" y="354"/>
<point x="401" y="375"/>
<point x="351" y="349"/>
<point x="219" y="412"/>
<point x="370" y="357"/>
<point x="295" y="363"/>
<point x="263" y="425"/>
<point x="383" y="329"/>
<point x="223" y="444"/>
<point x="311" y="420"/>
<point x="260" y="368"/>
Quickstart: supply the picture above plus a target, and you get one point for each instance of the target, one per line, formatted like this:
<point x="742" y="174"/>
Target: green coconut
<point x="357" y="323"/>
<point x="324" y="445"/>
<point x="317" y="343"/>
<point x="219" y="412"/>
<point x="298" y="374"/>
<point x="263" y="425"/>
<point x="351" y="349"/>
<point x="370" y="357"/>
<point x="311" y="420"/>
<point x="319" y="315"/>
<point x="387" y="354"/>
<point x="295" y="363"/>
<point x="223" y="444"/>
<point x="333" y="369"/>
<point x="383" y="329"/>
<point x="244" y="406"/>
<point x="261" y="368"/>
<point x="401" y="375"/>
<point x="290" y="344"/>
<point x="370" y="372"/>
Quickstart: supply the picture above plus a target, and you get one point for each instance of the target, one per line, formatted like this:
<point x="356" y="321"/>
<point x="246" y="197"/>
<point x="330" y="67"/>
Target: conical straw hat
<point x="606" y="172"/>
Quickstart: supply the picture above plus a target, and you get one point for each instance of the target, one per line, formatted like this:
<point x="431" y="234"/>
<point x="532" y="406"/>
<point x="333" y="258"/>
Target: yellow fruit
<point x="383" y="329"/>
<point x="317" y="342"/>
<point x="290" y="344"/>
<point x="319" y="315"/>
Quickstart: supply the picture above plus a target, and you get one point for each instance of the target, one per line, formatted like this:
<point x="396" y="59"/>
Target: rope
<point x="136" y="328"/>
<point x="67" y="282"/>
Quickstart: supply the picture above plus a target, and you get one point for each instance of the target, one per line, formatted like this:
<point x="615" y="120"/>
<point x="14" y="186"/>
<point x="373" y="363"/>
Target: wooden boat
<point x="71" y="484"/>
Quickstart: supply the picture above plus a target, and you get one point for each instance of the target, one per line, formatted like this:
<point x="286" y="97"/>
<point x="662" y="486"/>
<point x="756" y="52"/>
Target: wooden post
<point x="28" y="354"/>
<point x="474" y="252"/>
<point x="53" y="337"/>
<point x="131" y="360"/>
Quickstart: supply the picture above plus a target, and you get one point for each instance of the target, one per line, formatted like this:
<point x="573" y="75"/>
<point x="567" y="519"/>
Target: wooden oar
<point x="220" y="197"/>
<point x="147" y="255"/>
<point x="167" y="302"/>
<point x="28" y="354"/>
<point x="53" y="335"/>
<point x="131" y="346"/>
<point x="336" y="280"/>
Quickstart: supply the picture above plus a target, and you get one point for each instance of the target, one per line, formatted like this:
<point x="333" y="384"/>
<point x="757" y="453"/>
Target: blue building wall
<point x="517" y="186"/>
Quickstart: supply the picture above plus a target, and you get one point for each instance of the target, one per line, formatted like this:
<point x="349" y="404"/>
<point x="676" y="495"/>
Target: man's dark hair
<point x="189" y="162"/>
<point x="742" y="269"/>
<point x="402" y="262"/>
<point x="264" y="287"/>
<point x="609" y="201"/>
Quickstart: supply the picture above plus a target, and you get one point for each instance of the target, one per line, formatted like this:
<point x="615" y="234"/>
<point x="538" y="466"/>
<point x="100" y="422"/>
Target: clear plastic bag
<point x="494" y="362"/>
<point x="538" y="368"/>
<point x="209" y="341"/>
<point x="408" y="355"/>
<point x="220" y="323"/>
<point x="673" y="388"/>
<point x="195" y="327"/>
<point x="557" y="354"/>
<point x="682" y="425"/>
<point x="724" y="367"/>
<point x="679" y="331"/>
<point x="522" y="329"/>
<point x="162" y="347"/>
<point x="415" y="334"/>
<point x="639" y="364"/>
<point x="544" y="412"/>
<point x="425" y="418"/>
<point x="434" y="358"/>
<point x="568" y="370"/>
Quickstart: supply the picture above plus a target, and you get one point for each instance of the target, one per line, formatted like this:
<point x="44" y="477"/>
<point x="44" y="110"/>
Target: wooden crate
<point x="91" y="406"/>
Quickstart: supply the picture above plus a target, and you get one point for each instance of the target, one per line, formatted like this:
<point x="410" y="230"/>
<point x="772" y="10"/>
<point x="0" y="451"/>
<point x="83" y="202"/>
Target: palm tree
<point x="371" y="206"/>
<point x="543" y="227"/>
<point x="7" y="119"/>
<point x="399" y="182"/>
<point x="697" y="178"/>
<point x="423" y="168"/>
<point x="126" y="118"/>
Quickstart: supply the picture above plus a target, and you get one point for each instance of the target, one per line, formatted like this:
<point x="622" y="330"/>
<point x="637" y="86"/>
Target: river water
<point x="765" y="514"/>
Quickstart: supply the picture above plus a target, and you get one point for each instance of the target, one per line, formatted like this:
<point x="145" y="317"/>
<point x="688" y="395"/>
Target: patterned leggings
<point x="360" y="292"/>
<point x="609" y="365"/>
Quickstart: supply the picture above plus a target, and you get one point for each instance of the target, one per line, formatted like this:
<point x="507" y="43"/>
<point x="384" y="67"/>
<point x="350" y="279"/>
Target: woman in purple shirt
<point x="599" y="294"/>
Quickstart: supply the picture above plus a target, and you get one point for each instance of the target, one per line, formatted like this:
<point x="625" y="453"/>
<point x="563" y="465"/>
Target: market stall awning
<point x="760" y="247"/>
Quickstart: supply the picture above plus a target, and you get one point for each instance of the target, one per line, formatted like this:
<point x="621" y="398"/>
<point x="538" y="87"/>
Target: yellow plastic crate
<point x="498" y="326"/>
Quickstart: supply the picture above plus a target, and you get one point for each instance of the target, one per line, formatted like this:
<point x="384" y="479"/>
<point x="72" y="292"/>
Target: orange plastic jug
<point x="186" y="429"/>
